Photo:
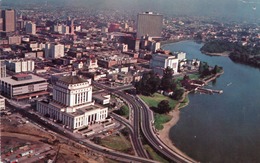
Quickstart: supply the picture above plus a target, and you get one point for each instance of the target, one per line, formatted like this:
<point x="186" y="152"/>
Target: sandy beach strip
<point x="224" y="54"/>
<point x="164" y="133"/>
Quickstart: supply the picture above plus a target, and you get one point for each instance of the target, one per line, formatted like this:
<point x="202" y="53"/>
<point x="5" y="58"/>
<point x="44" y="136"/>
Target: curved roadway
<point x="140" y="108"/>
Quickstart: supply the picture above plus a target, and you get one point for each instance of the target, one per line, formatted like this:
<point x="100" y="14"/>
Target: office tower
<point x="30" y="28"/>
<point x="149" y="24"/>
<point x="8" y="20"/>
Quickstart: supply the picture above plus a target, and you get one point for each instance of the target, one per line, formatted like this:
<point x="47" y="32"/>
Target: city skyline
<point x="237" y="10"/>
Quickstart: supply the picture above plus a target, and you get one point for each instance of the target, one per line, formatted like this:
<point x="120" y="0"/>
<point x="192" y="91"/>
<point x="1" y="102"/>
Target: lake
<point x="221" y="128"/>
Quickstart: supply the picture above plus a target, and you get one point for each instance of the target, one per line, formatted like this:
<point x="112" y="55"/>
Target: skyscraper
<point x="150" y="24"/>
<point x="8" y="19"/>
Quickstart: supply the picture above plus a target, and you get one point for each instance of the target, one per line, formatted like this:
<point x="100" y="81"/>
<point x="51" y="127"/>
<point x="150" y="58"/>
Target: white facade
<point x="30" y="28"/>
<point x="56" y="51"/>
<point x="162" y="61"/>
<point x="2" y="103"/>
<point x="72" y="103"/>
<point x="18" y="66"/>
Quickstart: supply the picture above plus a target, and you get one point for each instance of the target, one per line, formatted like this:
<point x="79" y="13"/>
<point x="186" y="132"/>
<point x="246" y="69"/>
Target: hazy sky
<point x="239" y="9"/>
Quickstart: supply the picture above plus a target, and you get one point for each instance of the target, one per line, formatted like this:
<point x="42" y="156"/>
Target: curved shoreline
<point x="224" y="54"/>
<point x="164" y="134"/>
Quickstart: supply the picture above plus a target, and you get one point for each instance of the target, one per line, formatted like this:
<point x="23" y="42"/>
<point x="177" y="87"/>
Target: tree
<point x="204" y="69"/>
<point x="177" y="94"/>
<point x="216" y="69"/>
<point x="149" y="84"/>
<point x="124" y="110"/>
<point x="164" y="107"/>
<point x="167" y="79"/>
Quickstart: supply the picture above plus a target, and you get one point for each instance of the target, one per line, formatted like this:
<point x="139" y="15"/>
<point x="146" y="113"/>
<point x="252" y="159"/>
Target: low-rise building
<point x="102" y="98"/>
<point x="23" y="86"/>
<point x="160" y="62"/>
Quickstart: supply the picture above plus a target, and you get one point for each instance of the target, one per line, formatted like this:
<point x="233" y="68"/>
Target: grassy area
<point x="117" y="142"/>
<point x="160" y="119"/>
<point x="154" y="155"/>
<point x="153" y="101"/>
<point x="194" y="76"/>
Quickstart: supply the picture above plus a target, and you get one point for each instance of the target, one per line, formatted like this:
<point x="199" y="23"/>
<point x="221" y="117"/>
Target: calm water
<point x="221" y="128"/>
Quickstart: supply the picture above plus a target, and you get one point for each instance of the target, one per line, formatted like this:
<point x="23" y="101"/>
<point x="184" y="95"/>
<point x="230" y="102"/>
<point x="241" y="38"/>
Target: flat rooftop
<point x="11" y="81"/>
<point x="83" y="110"/>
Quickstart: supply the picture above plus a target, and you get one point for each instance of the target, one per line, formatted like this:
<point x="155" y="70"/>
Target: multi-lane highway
<point x="137" y="143"/>
<point x="145" y="122"/>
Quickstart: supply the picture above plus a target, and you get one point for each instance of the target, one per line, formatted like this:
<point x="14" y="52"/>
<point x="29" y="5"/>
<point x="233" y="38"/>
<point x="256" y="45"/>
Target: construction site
<point x="25" y="141"/>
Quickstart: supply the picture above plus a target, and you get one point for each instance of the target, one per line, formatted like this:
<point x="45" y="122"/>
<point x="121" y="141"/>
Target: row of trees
<point x="150" y="82"/>
<point x="205" y="70"/>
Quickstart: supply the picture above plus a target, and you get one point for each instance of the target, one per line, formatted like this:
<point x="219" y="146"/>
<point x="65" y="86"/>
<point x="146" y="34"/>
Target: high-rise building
<point x="149" y="24"/>
<point x="8" y="20"/>
<point x="30" y="28"/>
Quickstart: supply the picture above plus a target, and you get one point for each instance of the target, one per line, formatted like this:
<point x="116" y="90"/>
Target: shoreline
<point x="164" y="134"/>
<point x="167" y="42"/>
<point x="224" y="54"/>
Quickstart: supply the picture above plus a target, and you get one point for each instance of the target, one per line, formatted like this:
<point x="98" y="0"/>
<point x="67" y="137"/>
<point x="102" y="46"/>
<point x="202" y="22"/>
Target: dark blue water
<point x="221" y="128"/>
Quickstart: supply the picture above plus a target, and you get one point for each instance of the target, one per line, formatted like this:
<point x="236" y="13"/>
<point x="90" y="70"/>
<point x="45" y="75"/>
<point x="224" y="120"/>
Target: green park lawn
<point x="155" y="99"/>
<point x="160" y="119"/>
